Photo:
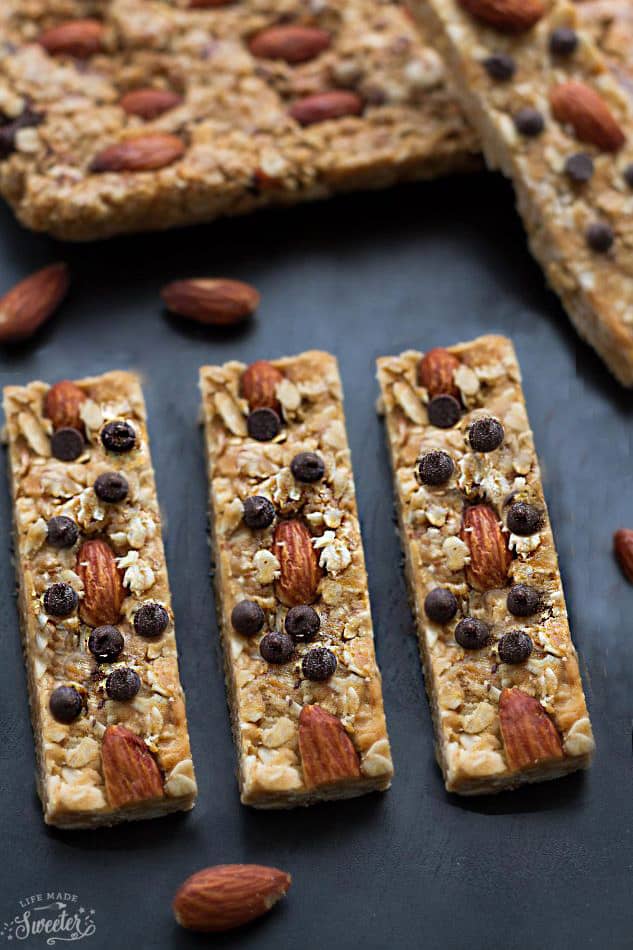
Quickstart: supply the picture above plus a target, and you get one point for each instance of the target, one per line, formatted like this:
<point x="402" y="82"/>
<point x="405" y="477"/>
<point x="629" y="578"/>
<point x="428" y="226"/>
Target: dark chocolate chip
<point x="111" y="487"/>
<point x="599" y="236"/>
<point x="434" y="468"/>
<point x="563" y="41"/>
<point x="318" y="664"/>
<point x="8" y="132"/>
<point x="263" y="424"/>
<point x="67" y="444"/>
<point x="523" y="519"/>
<point x="514" y="647"/>
<point x="500" y="66"/>
<point x="444" y="411"/>
<point x="62" y="532"/>
<point x="60" y="600"/>
<point x="523" y="600"/>
<point x="486" y="434"/>
<point x="628" y="175"/>
<point x="65" y="704"/>
<point x="276" y="647"/>
<point x="248" y="618"/>
<point x="302" y="623"/>
<point x="472" y="634"/>
<point x="118" y="436"/>
<point x="529" y="122"/>
<point x="440" y="605"/>
<point x="123" y="684"/>
<point x="579" y="168"/>
<point x="150" y="620"/>
<point x="105" y="643"/>
<point x="259" y="512"/>
<point x="307" y="467"/>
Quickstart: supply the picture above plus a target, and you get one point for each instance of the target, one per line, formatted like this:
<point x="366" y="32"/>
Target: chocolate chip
<point x="247" y="618"/>
<point x="8" y="132"/>
<point x="444" y="411"/>
<point x="302" y="623"/>
<point x="67" y="444"/>
<point x="500" y="66"/>
<point x="440" y="605"/>
<point x="599" y="236"/>
<point x="118" y="436"/>
<point x="486" y="434"/>
<point x="62" y="532"/>
<point x="276" y="647"/>
<point x="105" y="643"/>
<point x="263" y="424"/>
<point x="523" y="519"/>
<point x="65" y="704"/>
<point x="60" y="600"/>
<point x="318" y="664"/>
<point x="563" y="41"/>
<point x="434" y="468"/>
<point x="472" y="634"/>
<point x="529" y="122"/>
<point x="307" y="467"/>
<point x="259" y="512"/>
<point x="123" y="684"/>
<point x="523" y="600"/>
<point x="150" y="620"/>
<point x="514" y="647"/>
<point x="111" y="487"/>
<point x="579" y="168"/>
<point x="628" y="175"/>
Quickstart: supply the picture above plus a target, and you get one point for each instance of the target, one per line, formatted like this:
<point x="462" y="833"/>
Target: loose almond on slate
<point x="623" y="550"/>
<point x="227" y="896"/>
<point x="213" y="301"/>
<point x="32" y="302"/>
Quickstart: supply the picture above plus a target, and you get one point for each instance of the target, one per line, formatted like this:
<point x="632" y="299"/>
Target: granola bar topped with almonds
<point x="107" y="706"/>
<point x="303" y="685"/>
<point x="501" y="670"/>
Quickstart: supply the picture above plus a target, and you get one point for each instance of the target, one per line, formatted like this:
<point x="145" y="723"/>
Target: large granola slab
<point x="500" y="668"/>
<point x="107" y="706"/>
<point x="303" y="684"/>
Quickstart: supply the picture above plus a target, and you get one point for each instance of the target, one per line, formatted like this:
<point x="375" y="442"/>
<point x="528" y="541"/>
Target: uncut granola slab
<point x="303" y="685"/>
<point x="553" y="118"/>
<point x="500" y="668"/>
<point x="340" y="95"/>
<point x="107" y="706"/>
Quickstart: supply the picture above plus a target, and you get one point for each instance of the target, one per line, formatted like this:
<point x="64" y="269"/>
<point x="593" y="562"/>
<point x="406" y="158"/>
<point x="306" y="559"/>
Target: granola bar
<point x="303" y="685"/>
<point x="259" y="103"/>
<point x="107" y="706"/>
<point x="500" y="668"/>
<point x="553" y="118"/>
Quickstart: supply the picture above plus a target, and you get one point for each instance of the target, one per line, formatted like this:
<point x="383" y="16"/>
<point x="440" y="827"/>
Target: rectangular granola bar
<point x="303" y="685"/>
<point x="107" y="706"/>
<point x="500" y="668"/>
<point x="553" y="118"/>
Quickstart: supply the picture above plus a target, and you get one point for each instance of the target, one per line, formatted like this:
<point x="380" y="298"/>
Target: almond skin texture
<point x="208" y="4"/>
<point x="63" y="404"/>
<point x="139" y="154"/>
<point x="507" y="16"/>
<point x="258" y="386"/>
<point x="326" y="105"/>
<point x="215" y="301"/>
<point x="529" y="735"/>
<point x="29" y="304"/>
<point x="149" y="103"/>
<point x="300" y="571"/>
<point x="578" y="105"/>
<point x="292" y="43"/>
<point x="228" y="896"/>
<point x="623" y="550"/>
<point x="490" y="557"/>
<point x="103" y="587"/>
<point x="79" y="38"/>
<point x="435" y="373"/>
<point x="130" y="771"/>
<point x="328" y="755"/>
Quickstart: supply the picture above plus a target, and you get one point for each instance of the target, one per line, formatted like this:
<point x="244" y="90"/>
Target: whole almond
<point x="63" y="404"/>
<point x="79" y="38"/>
<point x="227" y="896"/>
<point x="216" y="301"/>
<point x="292" y="43"/>
<point x="490" y="557"/>
<point x="436" y="370"/>
<point x="103" y="587"/>
<point x="130" y="772"/>
<point x="300" y="572"/>
<point x="149" y="103"/>
<point x="258" y="386"/>
<point x="208" y="4"/>
<point x="328" y="755"/>
<point x="326" y="105"/>
<point x="506" y="16"/>
<point x="529" y="735"/>
<point x="578" y="105"/>
<point x="29" y="304"/>
<point x="140" y="154"/>
<point x="623" y="550"/>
